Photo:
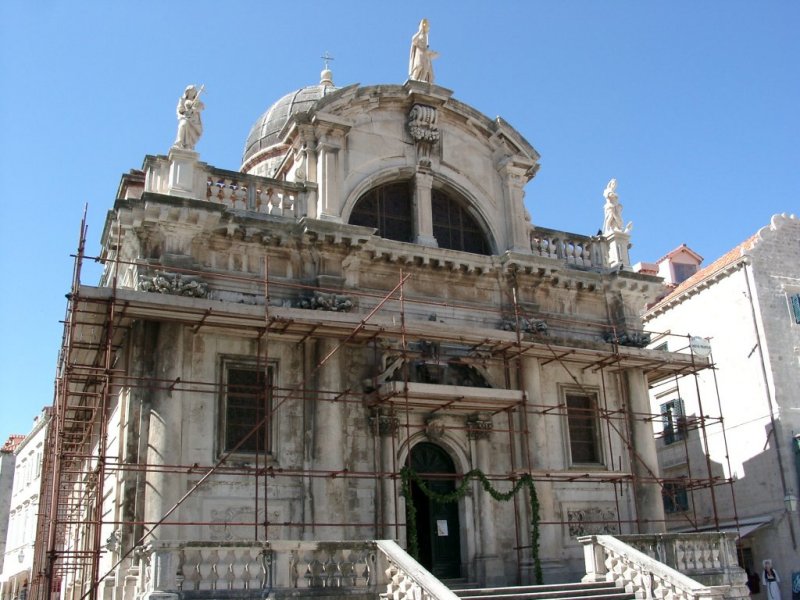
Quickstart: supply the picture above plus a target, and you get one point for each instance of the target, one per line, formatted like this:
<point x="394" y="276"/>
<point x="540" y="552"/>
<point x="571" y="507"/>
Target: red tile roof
<point x="12" y="442"/>
<point x="723" y="261"/>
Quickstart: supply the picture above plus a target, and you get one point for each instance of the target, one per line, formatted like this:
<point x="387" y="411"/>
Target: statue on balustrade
<point x="190" y="125"/>
<point x="612" y="221"/>
<point x="420" y="63"/>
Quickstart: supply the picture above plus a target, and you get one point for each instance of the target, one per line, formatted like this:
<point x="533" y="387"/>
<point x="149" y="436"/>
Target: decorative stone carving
<point x="636" y="339"/>
<point x="190" y="125"/>
<point x="327" y="301"/>
<point x="175" y="284"/>
<point x="386" y="424"/>
<point x="612" y="220"/>
<point x="420" y="61"/>
<point x="423" y="129"/>
<point x="435" y="428"/>
<point x="525" y="325"/>
<point x="479" y="428"/>
<point x="593" y="520"/>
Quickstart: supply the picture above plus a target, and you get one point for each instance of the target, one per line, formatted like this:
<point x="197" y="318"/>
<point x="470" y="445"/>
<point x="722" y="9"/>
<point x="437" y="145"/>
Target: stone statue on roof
<point x="190" y="125"/>
<point x="420" y="62"/>
<point x="612" y="220"/>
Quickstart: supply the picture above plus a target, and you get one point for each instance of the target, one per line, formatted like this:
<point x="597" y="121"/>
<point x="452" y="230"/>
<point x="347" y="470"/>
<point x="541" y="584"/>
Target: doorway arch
<point x="438" y="526"/>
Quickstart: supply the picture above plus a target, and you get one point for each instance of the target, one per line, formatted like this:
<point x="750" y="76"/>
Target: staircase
<point x="560" y="591"/>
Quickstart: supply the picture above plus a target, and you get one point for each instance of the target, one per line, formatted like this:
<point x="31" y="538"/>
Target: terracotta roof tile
<point x="12" y="442"/>
<point x="723" y="261"/>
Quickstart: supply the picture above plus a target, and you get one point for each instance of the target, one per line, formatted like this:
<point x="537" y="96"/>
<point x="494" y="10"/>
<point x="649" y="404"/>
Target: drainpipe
<point x="775" y="431"/>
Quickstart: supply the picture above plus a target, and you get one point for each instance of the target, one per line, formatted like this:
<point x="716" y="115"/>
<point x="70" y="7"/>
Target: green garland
<point x="525" y="480"/>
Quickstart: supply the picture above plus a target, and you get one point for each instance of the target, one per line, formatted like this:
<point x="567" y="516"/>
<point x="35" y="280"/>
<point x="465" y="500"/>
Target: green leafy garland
<point x="525" y="480"/>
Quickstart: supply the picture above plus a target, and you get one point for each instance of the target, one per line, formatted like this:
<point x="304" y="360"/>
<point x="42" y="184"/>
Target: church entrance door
<point x="438" y="527"/>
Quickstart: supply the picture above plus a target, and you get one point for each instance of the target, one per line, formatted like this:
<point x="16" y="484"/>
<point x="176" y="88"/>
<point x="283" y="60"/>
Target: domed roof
<point x="266" y="129"/>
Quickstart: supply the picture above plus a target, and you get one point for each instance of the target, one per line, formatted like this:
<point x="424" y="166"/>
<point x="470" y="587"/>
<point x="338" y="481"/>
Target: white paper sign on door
<point x="441" y="528"/>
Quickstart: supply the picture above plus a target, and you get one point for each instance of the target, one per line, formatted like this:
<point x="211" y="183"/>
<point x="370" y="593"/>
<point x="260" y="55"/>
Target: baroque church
<point x="358" y="337"/>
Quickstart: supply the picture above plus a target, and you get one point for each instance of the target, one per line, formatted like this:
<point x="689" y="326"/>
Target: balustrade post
<point x="594" y="558"/>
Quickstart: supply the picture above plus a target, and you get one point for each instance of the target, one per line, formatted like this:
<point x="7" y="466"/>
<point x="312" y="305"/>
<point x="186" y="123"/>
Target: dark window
<point x="583" y="430"/>
<point x="796" y="308"/>
<point x="683" y="271"/>
<point x="454" y="227"/>
<point x="388" y="209"/>
<point x="248" y="401"/>
<point x="673" y="420"/>
<point x="675" y="497"/>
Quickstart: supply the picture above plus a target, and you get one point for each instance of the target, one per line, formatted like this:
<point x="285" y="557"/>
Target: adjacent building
<point x="729" y="438"/>
<point x="23" y="513"/>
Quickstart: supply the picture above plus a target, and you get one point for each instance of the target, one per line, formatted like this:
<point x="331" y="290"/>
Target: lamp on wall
<point x="21" y="556"/>
<point x="790" y="501"/>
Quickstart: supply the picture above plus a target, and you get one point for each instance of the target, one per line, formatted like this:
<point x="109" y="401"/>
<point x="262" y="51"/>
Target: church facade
<point x="323" y="344"/>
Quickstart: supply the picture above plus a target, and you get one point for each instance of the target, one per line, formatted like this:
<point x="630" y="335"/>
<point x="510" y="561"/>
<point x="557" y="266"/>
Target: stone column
<point x="423" y="218"/>
<point x="647" y="492"/>
<point x="163" y="489"/>
<point x="309" y="143"/>
<point x="541" y="459"/>
<point x="387" y="427"/>
<point x="329" y="491"/>
<point x="490" y="568"/>
<point x="514" y="179"/>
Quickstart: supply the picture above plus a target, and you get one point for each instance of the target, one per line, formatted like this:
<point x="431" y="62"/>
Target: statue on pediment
<point x="612" y="220"/>
<point x="420" y="63"/>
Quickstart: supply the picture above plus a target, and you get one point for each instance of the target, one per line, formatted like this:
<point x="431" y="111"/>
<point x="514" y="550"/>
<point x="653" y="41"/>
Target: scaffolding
<point x="77" y="461"/>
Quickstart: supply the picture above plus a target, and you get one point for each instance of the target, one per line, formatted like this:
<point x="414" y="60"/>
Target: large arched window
<point x="454" y="227"/>
<point x="388" y="209"/>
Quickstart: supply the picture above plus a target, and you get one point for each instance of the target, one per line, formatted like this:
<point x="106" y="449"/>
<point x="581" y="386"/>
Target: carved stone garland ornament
<point x="423" y="130"/>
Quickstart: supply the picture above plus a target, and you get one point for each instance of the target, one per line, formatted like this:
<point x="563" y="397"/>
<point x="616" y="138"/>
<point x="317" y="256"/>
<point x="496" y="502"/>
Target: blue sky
<point x="693" y="106"/>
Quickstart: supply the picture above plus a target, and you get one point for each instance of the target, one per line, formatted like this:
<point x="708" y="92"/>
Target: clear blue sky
<point x="693" y="106"/>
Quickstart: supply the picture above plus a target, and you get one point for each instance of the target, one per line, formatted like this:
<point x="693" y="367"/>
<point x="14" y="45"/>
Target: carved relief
<point x="175" y="284"/>
<point x="435" y="428"/>
<point x="326" y="301"/>
<point x="593" y="520"/>
<point x="525" y="325"/>
<point x="224" y="520"/>
<point x="423" y="129"/>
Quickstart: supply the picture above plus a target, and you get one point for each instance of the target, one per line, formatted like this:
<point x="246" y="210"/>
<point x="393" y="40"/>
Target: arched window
<point x="388" y="209"/>
<point x="454" y="227"/>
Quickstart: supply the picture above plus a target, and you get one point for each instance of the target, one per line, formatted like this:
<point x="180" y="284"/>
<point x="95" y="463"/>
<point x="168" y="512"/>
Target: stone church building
<point x="311" y="347"/>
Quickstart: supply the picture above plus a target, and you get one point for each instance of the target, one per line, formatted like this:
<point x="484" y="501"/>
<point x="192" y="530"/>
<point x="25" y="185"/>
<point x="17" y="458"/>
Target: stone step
<point x="576" y="588"/>
<point x="564" y="591"/>
<point x="518" y="595"/>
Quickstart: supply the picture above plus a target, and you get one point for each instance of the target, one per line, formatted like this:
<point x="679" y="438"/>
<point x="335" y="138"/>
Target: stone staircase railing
<point x="610" y="559"/>
<point x="406" y="578"/>
<point x="707" y="557"/>
<point x="205" y="570"/>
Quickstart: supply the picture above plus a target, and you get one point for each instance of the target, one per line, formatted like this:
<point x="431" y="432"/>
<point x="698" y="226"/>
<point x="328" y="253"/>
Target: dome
<point x="267" y="128"/>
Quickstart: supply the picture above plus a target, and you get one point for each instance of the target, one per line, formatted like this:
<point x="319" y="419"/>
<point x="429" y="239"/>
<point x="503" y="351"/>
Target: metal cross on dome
<point x="327" y="58"/>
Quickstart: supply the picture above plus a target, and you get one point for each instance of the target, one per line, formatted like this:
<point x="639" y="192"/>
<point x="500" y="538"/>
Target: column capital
<point x="479" y="427"/>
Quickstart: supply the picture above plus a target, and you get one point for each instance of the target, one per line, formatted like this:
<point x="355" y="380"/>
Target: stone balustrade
<point x="610" y="559"/>
<point x="238" y="191"/>
<point x="707" y="557"/>
<point x="284" y="568"/>
<point x="245" y="192"/>
<point x="572" y="248"/>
